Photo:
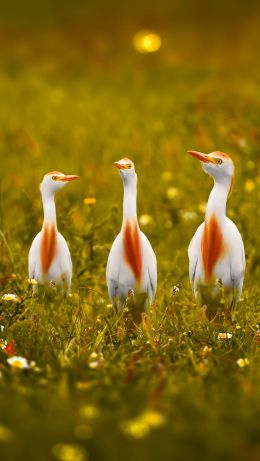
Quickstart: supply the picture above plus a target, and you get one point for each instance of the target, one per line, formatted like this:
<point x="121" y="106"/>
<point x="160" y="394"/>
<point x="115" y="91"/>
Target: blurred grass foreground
<point x="83" y="84"/>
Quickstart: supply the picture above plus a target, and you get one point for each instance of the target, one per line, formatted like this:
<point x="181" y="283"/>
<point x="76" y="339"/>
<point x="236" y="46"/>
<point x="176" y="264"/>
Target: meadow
<point x="176" y="386"/>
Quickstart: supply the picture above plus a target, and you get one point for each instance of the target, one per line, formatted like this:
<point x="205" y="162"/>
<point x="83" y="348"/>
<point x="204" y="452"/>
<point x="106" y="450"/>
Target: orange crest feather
<point x="53" y="173"/>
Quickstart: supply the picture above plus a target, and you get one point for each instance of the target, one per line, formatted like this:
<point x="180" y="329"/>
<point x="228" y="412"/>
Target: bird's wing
<point x="237" y="255"/>
<point x="112" y="270"/>
<point x="194" y="251"/>
<point x="65" y="262"/>
<point x="150" y="260"/>
<point x="34" y="255"/>
<point x="112" y="286"/>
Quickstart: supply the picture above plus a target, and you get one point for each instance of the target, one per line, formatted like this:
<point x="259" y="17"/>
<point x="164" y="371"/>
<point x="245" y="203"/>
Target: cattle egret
<point x="49" y="256"/>
<point x="131" y="267"/>
<point x="216" y="252"/>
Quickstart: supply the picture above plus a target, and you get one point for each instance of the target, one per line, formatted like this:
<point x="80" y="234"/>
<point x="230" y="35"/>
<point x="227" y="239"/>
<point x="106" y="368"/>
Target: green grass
<point x="107" y="389"/>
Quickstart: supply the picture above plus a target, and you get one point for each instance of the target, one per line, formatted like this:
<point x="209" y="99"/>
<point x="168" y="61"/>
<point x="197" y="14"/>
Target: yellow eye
<point x="129" y="165"/>
<point x="219" y="161"/>
<point x="54" y="178"/>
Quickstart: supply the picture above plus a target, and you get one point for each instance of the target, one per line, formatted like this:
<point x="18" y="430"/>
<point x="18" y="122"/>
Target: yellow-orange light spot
<point x="147" y="41"/>
<point x="243" y="362"/>
<point x="172" y="193"/>
<point x="146" y="220"/>
<point x="202" y="207"/>
<point x="249" y="185"/>
<point x="89" y="201"/>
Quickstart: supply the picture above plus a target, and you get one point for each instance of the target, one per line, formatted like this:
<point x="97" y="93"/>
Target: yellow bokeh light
<point x="89" y="201"/>
<point x="249" y="185"/>
<point x="147" y="41"/>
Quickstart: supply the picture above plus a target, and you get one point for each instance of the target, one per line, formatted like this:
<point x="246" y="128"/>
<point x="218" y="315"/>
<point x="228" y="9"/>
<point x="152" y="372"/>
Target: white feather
<point x="229" y="269"/>
<point x="121" y="279"/>
<point x="120" y="276"/>
<point x="60" y="267"/>
<point x="60" y="270"/>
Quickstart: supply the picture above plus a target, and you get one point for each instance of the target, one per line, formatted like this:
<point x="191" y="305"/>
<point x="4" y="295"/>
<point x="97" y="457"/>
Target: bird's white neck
<point x="49" y="209"/>
<point x="129" y="201"/>
<point x="218" y="199"/>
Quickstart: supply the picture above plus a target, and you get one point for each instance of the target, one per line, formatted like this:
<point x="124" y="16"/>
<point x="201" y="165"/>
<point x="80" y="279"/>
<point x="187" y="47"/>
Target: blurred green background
<point x="100" y="32"/>
<point x="76" y="95"/>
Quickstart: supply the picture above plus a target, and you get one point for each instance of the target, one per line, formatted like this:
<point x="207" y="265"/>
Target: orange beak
<point x="202" y="157"/>
<point x="69" y="177"/>
<point x="120" y="166"/>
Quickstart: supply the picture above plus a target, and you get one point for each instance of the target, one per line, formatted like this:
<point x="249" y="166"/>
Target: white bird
<point x="131" y="266"/>
<point x="216" y="252"/>
<point x="49" y="255"/>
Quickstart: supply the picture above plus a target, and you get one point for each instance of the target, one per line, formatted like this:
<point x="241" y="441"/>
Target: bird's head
<point x="217" y="164"/>
<point x="55" y="180"/>
<point x="127" y="170"/>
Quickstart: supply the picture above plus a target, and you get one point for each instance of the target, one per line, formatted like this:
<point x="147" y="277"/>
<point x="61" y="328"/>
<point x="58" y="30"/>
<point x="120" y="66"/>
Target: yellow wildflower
<point x="188" y="215"/>
<point x="32" y="282"/>
<point x="83" y="385"/>
<point x="89" y="411"/>
<point x="249" y="185"/>
<point x="94" y="364"/>
<point x="136" y="429"/>
<point x="167" y="176"/>
<point x="152" y="418"/>
<point x="90" y="201"/>
<point x="18" y="362"/>
<point x="140" y="426"/>
<point x="69" y="452"/>
<point x="3" y="343"/>
<point x="224" y="335"/>
<point x="172" y="193"/>
<point x="93" y="355"/>
<point x="202" y="207"/>
<point x="145" y="220"/>
<point x="205" y="351"/>
<point x="201" y="368"/>
<point x="11" y="297"/>
<point x="242" y="362"/>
